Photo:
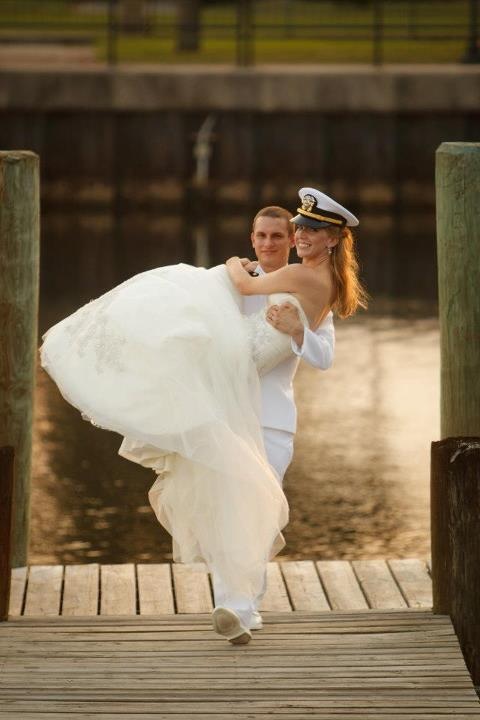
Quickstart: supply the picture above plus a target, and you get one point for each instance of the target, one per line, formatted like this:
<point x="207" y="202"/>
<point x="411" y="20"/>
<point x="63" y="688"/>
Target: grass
<point x="158" y="50"/>
<point x="326" y="32"/>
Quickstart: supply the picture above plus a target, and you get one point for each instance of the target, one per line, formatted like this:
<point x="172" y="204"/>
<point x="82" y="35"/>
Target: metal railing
<point x="246" y="32"/>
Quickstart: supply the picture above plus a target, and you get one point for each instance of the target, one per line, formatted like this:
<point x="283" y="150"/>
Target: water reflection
<point x="359" y="483"/>
<point x="358" y="486"/>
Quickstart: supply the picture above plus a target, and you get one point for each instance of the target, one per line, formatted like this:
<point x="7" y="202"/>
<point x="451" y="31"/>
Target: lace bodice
<point x="268" y="345"/>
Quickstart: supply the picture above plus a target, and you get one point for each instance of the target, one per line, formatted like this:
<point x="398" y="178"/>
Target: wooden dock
<point x="341" y="640"/>
<point x="165" y="589"/>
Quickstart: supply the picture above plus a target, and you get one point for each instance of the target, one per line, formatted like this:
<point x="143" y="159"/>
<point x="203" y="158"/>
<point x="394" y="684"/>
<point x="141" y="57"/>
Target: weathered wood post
<point x="455" y="477"/>
<point x="19" y="269"/>
<point x="455" y="507"/>
<point x="6" y="501"/>
<point x="458" y="247"/>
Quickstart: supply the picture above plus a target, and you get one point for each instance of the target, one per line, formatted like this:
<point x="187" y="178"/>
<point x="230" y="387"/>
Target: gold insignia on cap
<point x="308" y="203"/>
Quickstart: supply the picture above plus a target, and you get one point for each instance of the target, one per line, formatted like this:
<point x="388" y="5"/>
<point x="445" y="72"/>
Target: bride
<point x="167" y="360"/>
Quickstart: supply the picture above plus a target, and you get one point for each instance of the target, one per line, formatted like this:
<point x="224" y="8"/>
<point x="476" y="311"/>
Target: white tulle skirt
<point x="164" y="359"/>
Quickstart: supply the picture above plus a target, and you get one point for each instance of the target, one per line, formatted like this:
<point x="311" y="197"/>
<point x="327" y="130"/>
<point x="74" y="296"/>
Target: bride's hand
<point x="232" y="261"/>
<point x="249" y="265"/>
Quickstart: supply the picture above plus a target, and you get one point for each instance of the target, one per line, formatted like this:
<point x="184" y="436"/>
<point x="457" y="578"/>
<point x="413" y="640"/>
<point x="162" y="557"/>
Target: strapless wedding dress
<point x="167" y="360"/>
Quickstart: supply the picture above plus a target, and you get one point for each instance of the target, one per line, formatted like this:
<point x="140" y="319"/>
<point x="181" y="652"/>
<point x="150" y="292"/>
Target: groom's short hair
<point x="275" y="211"/>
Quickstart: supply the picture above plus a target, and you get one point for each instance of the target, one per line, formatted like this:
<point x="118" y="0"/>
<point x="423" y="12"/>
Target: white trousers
<point x="279" y="449"/>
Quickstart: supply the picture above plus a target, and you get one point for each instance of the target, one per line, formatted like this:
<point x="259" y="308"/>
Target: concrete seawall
<point x="117" y="157"/>
<point x="355" y="88"/>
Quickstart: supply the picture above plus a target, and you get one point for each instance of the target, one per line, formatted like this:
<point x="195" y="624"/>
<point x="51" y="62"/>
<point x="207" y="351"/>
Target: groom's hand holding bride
<point x="286" y="319"/>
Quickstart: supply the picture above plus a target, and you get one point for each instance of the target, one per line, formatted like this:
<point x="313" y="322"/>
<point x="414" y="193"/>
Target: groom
<point x="272" y="238"/>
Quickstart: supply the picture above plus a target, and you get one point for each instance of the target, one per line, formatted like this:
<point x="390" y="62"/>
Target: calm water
<point x="358" y="486"/>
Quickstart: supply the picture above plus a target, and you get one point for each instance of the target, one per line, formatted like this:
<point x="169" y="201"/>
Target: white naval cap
<point x="318" y="210"/>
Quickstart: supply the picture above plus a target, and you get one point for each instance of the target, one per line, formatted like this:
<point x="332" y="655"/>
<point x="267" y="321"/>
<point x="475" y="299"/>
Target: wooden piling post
<point x="455" y="513"/>
<point x="6" y="501"/>
<point x="455" y="460"/>
<point x="19" y="270"/>
<point x="458" y="245"/>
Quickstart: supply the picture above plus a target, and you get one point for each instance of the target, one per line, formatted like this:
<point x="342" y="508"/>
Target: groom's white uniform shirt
<point x="278" y="409"/>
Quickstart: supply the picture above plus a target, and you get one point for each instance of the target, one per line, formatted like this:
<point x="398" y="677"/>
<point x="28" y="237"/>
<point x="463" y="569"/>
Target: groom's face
<point x="272" y="240"/>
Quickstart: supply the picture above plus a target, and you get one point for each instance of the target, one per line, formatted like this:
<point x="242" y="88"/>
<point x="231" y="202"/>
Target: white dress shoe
<point x="227" y="623"/>
<point x="256" y="623"/>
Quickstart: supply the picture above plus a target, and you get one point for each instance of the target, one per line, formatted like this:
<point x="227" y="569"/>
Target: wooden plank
<point x="100" y="676"/>
<point x="377" y="636"/>
<point x="81" y="590"/>
<point x="375" y="644"/>
<point x="303" y="585"/>
<point x="380" y="628"/>
<point x="377" y="641"/>
<point x="268" y="643"/>
<point x="250" y="711"/>
<point x="408" y="618"/>
<point x="276" y="678"/>
<point x="181" y="662"/>
<point x="154" y="702"/>
<point x="344" y="663"/>
<point x="319" y="710"/>
<point x="192" y="588"/>
<point x="414" y="581"/>
<point x="118" y="591"/>
<point x="44" y="588"/>
<point x="382" y="620"/>
<point x="341" y="585"/>
<point x="378" y="584"/>
<point x="275" y="598"/>
<point x="155" y="590"/>
<point x="17" y="590"/>
<point x="196" y="712"/>
<point x="378" y="631"/>
<point x="325" y="714"/>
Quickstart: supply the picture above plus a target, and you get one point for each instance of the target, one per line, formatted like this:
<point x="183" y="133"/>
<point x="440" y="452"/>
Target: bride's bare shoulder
<point x="303" y="276"/>
<point x="319" y="275"/>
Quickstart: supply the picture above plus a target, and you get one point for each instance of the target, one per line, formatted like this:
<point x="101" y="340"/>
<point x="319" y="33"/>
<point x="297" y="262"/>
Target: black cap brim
<point x="310" y="222"/>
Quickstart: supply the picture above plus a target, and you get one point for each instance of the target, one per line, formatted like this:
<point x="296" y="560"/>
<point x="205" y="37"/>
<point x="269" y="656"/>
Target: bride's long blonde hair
<point x="349" y="291"/>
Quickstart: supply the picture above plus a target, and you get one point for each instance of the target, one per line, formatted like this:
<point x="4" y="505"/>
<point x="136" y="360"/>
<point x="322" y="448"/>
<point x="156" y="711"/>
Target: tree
<point x="188" y="25"/>
<point x="133" y="15"/>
